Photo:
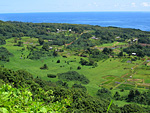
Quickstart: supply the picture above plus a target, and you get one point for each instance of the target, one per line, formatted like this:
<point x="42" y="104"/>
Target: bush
<point x="2" y="41"/>
<point x="37" y="54"/>
<point x="79" y="86"/>
<point x="73" y="76"/>
<point x="64" y="56"/>
<point x="78" y="67"/>
<point x="58" y="61"/>
<point x="4" y="54"/>
<point x="61" y="83"/>
<point x="104" y="93"/>
<point x="44" y="66"/>
<point x="51" y="75"/>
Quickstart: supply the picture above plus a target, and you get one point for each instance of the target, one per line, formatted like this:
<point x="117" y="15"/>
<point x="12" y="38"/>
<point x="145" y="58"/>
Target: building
<point x="133" y="53"/>
<point x="94" y="38"/>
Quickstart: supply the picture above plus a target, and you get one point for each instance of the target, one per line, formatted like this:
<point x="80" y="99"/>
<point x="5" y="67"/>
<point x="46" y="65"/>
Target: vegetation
<point x="4" y="54"/>
<point x="73" y="68"/>
<point x="73" y="76"/>
<point x="2" y="41"/>
<point x="139" y="50"/>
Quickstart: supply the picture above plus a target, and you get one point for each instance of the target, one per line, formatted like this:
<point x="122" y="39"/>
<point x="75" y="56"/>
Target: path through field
<point x="131" y="75"/>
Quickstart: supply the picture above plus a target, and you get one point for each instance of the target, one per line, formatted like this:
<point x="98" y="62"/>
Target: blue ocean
<point x="136" y="20"/>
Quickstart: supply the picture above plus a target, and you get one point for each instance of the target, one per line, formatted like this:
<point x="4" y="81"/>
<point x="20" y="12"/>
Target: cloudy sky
<point x="22" y="6"/>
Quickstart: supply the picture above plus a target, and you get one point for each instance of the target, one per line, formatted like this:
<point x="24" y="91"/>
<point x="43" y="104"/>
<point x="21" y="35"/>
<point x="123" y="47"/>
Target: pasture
<point x="113" y="73"/>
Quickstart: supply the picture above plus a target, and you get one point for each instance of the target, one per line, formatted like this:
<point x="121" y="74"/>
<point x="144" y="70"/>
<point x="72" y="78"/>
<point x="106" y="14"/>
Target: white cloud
<point x="146" y="4"/>
<point x="94" y="3"/>
<point x="133" y="4"/>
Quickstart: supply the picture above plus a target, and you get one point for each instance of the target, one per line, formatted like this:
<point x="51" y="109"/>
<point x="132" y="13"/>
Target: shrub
<point x="78" y="67"/>
<point x="79" y="86"/>
<point x="51" y="75"/>
<point x="104" y="93"/>
<point x="4" y="54"/>
<point x="58" y="61"/>
<point x="73" y="76"/>
<point x="65" y="56"/>
<point x="44" y="66"/>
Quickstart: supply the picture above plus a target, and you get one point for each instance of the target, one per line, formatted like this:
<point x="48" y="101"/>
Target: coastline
<point x="133" y="20"/>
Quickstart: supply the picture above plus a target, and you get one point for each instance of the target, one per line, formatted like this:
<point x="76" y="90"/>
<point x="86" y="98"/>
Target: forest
<point x="49" y="67"/>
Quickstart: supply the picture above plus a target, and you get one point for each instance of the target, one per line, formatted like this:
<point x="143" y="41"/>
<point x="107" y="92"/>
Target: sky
<point x="26" y="6"/>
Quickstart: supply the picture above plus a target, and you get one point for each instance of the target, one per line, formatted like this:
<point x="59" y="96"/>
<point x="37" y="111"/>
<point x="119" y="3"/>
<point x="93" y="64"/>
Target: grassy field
<point x="113" y="44"/>
<point x="111" y="73"/>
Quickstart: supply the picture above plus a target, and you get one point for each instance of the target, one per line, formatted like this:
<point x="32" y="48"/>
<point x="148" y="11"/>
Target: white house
<point x="50" y="48"/>
<point x="133" y="53"/>
<point x="117" y="37"/>
<point x="135" y="40"/>
<point x="94" y="38"/>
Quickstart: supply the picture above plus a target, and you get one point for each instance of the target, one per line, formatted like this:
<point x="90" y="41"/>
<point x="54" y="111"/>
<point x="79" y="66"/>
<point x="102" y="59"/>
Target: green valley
<point x="75" y="64"/>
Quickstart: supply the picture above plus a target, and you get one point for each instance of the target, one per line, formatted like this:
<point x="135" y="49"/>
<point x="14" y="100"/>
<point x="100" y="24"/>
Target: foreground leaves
<point x="21" y="100"/>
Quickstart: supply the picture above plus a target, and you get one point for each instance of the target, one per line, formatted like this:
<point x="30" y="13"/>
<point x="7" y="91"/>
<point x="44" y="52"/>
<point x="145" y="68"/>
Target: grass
<point x="113" y="44"/>
<point x="120" y="103"/>
<point x="106" y="74"/>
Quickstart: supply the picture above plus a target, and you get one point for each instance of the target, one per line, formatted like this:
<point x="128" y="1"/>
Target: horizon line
<point x="71" y="12"/>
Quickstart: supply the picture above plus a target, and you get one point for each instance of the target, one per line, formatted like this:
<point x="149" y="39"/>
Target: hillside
<point x="82" y="67"/>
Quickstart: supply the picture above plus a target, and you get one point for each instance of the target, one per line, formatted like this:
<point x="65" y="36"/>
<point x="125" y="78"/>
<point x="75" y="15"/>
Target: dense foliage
<point x="47" y="97"/>
<point x="21" y="100"/>
<point x="134" y="96"/>
<point x="104" y="93"/>
<point x="4" y="54"/>
<point x="28" y="94"/>
<point x="73" y="76"/>
<point x="36" y="53"/>
<point x="2" y="41"/>
<point x="61" y="34"/>
<point x="140" y="51"/>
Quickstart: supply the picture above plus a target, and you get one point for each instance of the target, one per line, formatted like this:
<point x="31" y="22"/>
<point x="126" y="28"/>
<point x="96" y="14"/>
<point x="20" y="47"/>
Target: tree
<point x="104" y="93"/>
<point x="107" y="50"/>
<point x="20" y="43"/>
<point x="117" y="95"/>
<point x="41" y="41"/>
<point x="120" y="54"/>
<point x="58" y="61"/>
<point x="55" y="53"/>
<point x="86" y="35"/>
<point x="2" y="41"/>
<point x="45" y="47"/>
<point x="44" y="66"/>
<point x="51" y="75"/>
<point x="131" y="95"/>
<point x="78" y="67"/>
<point x="83" y="61"/>
<point x="131" y="108"/>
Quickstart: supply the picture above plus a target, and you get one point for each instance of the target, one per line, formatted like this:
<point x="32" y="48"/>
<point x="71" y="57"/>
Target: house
<point x="57" y="30"/>
<point x="135" y="40"/>
<point x="133" y="53"/>
<point x="50" y="48"/>
<point x="129" y="61"/>
<point x="94" y="38"/>
<point x="117" y="37"/>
